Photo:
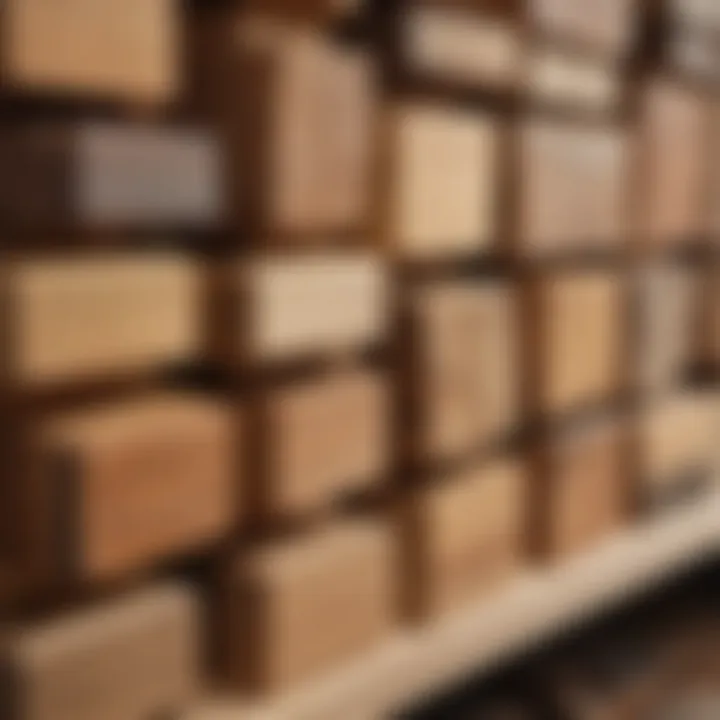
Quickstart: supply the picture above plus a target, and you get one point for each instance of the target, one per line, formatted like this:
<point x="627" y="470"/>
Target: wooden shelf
<point x="533" y="608"/>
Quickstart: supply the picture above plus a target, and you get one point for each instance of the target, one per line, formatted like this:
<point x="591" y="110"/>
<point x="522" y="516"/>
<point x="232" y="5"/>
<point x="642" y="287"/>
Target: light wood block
<point x="466" y="535"/>
<point x="300" y="163"/>
<point x="609" y="26"/>
<point x="128" y="659"/>
<point x="100" y="174"/>
<point x="141" y="481"/>
<point x="444" y="183"/>
<point x="586" y="490"/>
<point x="582" y="339"/>
<point x="467" y="384"/>
<point x="573" y="191"/>
<point x="124" y="50"/>
<point x="324" y="439"/>
<point x="674" y="177"/>
<point x="89" y="316"/>
<point x="297" y="609"/>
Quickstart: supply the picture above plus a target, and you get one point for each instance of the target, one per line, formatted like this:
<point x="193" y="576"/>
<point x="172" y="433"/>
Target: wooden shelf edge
<point x="533" y="608"/>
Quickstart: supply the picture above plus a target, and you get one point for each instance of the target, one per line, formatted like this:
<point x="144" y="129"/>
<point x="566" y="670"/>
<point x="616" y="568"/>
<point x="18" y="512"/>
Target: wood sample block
<point x="466" y="535"/>
<point x="100" y="174"/>
<point x="324" y="439"/>
<point x="89" y="316"/>
<point x="111" y="49"/>
<point x="300" y="608"/>
<point x="573" y="189"/>
<point x="443" y="175"/>
<point x="609" y="26"/>
<point x="460" y="43"/>
<point x="666" y="325"/>
<point x="557" y="77"/>
<point x="467" y="379"/>
<point x="582" y="339"/>
<point x="288" y="307"/>
<point x="141" y="481"/>
<point x="300" y="163"/>
<point x="585" y="493"/>
<point x="128" y="659"/>
<point x="678" y="445"/>
<point x="674" y="158"/>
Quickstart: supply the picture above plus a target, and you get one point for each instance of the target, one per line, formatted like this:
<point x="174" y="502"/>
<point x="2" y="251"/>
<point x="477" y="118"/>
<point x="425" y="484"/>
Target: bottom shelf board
<point x="537" y="606"/>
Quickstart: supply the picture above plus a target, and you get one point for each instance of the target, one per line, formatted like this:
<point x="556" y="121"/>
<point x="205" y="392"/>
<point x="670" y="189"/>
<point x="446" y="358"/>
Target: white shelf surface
<point x="537" y="606"/>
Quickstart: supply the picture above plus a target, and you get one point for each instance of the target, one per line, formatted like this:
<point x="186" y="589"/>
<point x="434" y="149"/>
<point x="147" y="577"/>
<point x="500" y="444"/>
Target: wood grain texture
<point x="325" y="438"/>
<point x="141" y="481"/>
<point x="467" y="384"/>
<point x="298" y="609"/>
<point x="466" y="535"/>
<point x="119" y="49"/>
<point x="133" y="657"/>
<point x="573" y="191"/>
<point x="443" y="170"/>
<point x="83" y="317"/>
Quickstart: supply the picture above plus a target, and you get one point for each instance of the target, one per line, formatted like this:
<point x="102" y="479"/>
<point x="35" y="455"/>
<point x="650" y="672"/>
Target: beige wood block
<point x="300" y="608"/>
<point x="325" y="439"/>
<point x="124" y="49"/>
<point x="444" y="172"/>
<point x="666" y="323"/>
<point x="467" y="534"/>
<point x="574" y="187"/>
<point x="556" y="77"/>
<point x="582" y="347"/>
<point x="142" y="480"/>
<point x="314" y="303"/>
<point x="128" y="659"/>
<point x="587" y="487"/>
<point x="461" y="45"/>
<point x="86" y="316"/>
<point x="675" y="168"/>
<point x="466" y="340"/>
<point x="609" y="25"/>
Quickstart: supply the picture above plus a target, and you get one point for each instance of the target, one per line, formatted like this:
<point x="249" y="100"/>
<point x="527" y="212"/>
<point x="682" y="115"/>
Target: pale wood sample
<point x="142" y="480"/>
<point x="574" y="187"/>
<point x="81" y="317"/>
<point x="127" y="659"/>
<point x="466" y="535"/>
<point x="297" y="609"/>
<point x="444" y="167"/>
<point x="116" y="49"/>
<point x="465" y="347"/>
<point x="325" y="438"/>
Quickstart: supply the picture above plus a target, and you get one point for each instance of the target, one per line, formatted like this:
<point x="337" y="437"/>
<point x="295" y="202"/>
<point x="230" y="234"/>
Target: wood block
<point x="300" y="163"/>
<point x="582" y="339"/>
<point x="574" y="187"/>
<point x="585" y="493"/>
<point x="558" y="78"/>
<point x="466" y="535"/>
<point x="443" y="170"/>
<point x="100" y="174"/>
<point x="665" y="325"/>
<point x="111" y="49"/>
<point x="674" y="178"/>
<point x="460" y="44"/>
<point x="467" y="383"/>
<point x="291" y="307"/>
<point x="324" y="439"/>
<point x="300" y="608"/>
<point x="608" y="26"/>
<point x="677" y="444"/>
<point x="128" y="659"/>
<point x="89" y="316"/>
<point x="163" y="466"/>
